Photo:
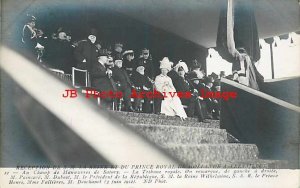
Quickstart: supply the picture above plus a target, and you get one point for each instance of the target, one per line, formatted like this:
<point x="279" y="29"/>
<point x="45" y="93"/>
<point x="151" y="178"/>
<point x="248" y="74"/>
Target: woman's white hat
<point x="183" y="65"/>
<point x="165" y="63"/>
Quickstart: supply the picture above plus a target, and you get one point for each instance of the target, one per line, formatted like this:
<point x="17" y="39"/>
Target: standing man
<point x="129" y="63"/>
<point x="59" y="54"/>
<point x="118" y="49"/>
<point x="86" y="53"/>
<point x="29" y="35"/>
<point x="146" y="61"/>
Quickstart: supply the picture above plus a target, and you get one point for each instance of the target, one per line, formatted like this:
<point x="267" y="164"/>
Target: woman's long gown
<point x="171" y="105"/>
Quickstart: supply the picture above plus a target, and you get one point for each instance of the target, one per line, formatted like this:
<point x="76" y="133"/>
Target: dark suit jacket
<point x="29" y="42"/>
<point x="99" y="78"/>
<point x="148" y="64"/>
<point x="59" y="55"/>
<point x="139" y="80"/>
<point x="88" y="51"/>
<point x="181" y="84"/>
<point x="120" y="75"/>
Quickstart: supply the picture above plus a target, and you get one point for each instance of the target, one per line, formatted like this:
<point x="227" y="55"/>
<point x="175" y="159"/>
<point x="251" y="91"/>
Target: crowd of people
<point x="118" y="69"/>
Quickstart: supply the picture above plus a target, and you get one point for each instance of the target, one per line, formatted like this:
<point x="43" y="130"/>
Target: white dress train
<point x="171" y="105"/>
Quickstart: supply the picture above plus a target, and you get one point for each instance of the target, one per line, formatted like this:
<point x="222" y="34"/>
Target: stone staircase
<point x="197" y="144"/>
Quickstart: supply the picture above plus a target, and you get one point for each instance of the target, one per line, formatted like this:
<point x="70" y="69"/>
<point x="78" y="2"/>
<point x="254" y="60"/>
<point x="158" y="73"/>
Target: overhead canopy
<point x="194" y="20"/>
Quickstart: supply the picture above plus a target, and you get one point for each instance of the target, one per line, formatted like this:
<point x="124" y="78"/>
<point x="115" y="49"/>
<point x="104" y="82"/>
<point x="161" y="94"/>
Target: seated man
<point x="141" y="83"/>
<point x="101" y="78"/>
<point x="197" y="83"/>
<point x="213" y="104"/>
<point x="181" y="84"/>
<point x="120" y="75"/>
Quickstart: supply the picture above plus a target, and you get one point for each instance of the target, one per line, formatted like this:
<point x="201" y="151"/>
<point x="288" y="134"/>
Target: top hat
<point x="103" y="52"/>
<point x="193" y="76"/>
<point x="209" y="79"/>
<point x="92" y="31"/>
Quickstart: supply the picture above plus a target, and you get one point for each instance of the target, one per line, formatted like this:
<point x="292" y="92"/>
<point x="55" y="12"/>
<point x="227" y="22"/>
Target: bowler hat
<point x="92" y="31"/>
<point x="103" y="52"/>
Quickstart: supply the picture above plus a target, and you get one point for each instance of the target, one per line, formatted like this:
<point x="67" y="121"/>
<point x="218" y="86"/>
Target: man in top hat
<point x="86" y="53"/>
<point x="120" y="75"/>
<point x="101" y="78"/>
<point x="141" y="83"/>
<point x="129" y="63"/>
<point x="146" y="61"/>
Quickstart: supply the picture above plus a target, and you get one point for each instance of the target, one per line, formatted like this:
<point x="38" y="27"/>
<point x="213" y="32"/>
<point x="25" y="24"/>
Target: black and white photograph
<point x="150" y="93"/>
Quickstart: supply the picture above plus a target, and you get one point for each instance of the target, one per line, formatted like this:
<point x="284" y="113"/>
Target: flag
<point x="241" y="26"/>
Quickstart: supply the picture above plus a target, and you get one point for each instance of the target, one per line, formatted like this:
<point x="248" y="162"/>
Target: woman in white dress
<point x="171" y="105"/>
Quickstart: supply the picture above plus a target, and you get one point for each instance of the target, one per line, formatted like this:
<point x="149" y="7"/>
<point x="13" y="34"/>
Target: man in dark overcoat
<point x="182" y="84"/>
<point x="59" y="53"/>
<point x="142" y="83"/>
<point x="101" y="78"/>
<point x="120" y="75"/>
<point x="86" y="53"/>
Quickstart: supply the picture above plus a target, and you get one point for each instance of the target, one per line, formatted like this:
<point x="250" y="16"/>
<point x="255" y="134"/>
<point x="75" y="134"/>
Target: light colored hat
<point x="165" y="63"/>
<point x="140" y="67"/>
<point x="128" y="52"/>
<point x="183" y="65"/>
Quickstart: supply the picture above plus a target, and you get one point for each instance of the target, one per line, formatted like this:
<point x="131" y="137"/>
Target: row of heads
<point x="165" y="63"/>
<point x="108" y="52"/>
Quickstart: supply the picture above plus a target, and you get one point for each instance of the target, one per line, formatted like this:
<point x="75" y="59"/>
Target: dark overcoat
<point x="88" y="51"/>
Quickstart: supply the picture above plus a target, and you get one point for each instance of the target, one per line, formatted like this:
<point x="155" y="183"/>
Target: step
<point x="147" y="115"/>
<point x="207" y="153"/>
<point x="246" y="164"/>
<point x="169" y="134"/>
<point x="176" y="122"/>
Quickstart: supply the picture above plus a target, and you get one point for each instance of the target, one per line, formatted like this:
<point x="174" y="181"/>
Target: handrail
<point x="262" y="95"/>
